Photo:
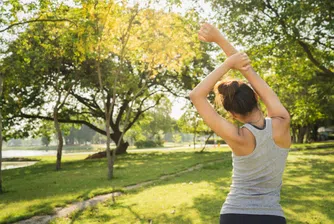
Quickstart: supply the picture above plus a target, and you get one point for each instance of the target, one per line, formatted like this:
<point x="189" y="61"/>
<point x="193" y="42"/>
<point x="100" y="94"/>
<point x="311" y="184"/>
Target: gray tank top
<point x="257" y="177"/>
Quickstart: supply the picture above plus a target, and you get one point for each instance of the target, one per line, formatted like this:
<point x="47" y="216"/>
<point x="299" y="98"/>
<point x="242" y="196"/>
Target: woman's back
<point x="257" y="177"/>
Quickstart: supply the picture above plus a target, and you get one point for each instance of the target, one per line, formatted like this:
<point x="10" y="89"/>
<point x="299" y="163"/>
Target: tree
<point x="191" y="122"/>
<point x="307" y="24"/>
<point x="85" y="134"/>
<point x="46" y="140"/>
<point x="158" y="119"/>
<point x="308" y="98"/>
<point x="291" y="42"/>
<point x="1" y="90"/>
<point x="144" y="74"/>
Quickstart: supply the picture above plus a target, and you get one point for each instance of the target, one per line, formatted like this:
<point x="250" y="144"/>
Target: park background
<point x="94" y="101"/>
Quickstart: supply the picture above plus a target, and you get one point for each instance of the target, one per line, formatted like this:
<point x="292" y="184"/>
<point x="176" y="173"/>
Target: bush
<point x="148" y="144"/>
<point x="220" y="141"/>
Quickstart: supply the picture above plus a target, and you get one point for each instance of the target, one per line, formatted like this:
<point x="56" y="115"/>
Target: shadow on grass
<point x="43" y="208"/>
<point x="298" y="199"/>
<point x="75" y="217"/>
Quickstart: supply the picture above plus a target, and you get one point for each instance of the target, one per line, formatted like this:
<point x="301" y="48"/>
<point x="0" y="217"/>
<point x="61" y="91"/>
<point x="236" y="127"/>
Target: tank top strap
<point x="269" y="126"/>
<point x="258" y="132"/>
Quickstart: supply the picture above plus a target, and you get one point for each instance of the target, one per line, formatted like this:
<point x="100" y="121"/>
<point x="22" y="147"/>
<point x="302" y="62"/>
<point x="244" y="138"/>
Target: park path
<point x="78" y="206"/>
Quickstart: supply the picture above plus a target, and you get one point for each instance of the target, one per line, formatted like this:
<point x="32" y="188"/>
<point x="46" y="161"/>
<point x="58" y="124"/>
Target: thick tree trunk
<point x="315" y="132"/>
<point x="59" y="136"/>
<point x="294" y="135"/>
<point x="301" y="134"/>
<point x="121" y="149"/>
<point x="308" y="134"/>
<point x="117" y="137"/>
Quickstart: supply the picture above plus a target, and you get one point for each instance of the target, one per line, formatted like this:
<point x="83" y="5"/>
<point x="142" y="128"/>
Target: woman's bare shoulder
<point x="281" y="132"/>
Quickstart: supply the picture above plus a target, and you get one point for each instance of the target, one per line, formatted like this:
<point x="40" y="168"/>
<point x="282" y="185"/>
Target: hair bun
<point x="228" y="89"/>
<point x="235" y="96"/>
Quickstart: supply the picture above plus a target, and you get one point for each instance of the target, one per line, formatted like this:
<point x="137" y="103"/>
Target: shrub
<point x="220" y="141"/>
<point x="148" y="144"/>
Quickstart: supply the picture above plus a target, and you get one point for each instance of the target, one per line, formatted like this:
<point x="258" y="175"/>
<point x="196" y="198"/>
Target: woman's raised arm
<point x="275" y="109"/>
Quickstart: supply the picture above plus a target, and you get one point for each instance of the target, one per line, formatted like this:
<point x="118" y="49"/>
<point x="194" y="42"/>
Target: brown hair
<point x="235" y="96"/>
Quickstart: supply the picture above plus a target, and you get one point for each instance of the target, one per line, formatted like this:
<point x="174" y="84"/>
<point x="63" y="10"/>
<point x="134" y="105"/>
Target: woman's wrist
<point x="220" y="39"/>
<point x="227" y="63"/>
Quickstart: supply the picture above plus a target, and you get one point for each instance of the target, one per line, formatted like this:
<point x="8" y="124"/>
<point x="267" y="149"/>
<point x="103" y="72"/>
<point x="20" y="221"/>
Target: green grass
<point x="195" y="197"/>
<point x="38" y="189"/>
<point x="329" y="144"/>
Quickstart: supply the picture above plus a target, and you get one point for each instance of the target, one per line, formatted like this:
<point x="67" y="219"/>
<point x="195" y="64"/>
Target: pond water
<point x="26" y="153"/>
<point x="12" y="165"/>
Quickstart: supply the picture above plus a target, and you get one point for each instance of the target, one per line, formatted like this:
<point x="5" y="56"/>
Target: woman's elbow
<point x="286" y="116"/>
<point x="192" y="95"/>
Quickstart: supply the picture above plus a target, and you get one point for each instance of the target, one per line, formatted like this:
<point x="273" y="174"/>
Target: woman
<point x="259" y="148"/>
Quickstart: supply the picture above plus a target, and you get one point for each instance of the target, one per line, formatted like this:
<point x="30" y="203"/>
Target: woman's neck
<point x="256" y="118"/>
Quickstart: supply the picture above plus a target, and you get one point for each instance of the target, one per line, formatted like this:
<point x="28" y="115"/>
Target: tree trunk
<point x="308" y="134"/>
<point x="121" y="145"/>
<point x="315" y="132"/>
<point x="206" y="141"/>
<point x="194" y="140"/>
<point x="59" y="136"/>
<point x="109" y="157"/>
<point x="1" y="83"/>
<point x="301" y="134"/>
<point x="294" y="135"/>
<point x="121" y="149"/>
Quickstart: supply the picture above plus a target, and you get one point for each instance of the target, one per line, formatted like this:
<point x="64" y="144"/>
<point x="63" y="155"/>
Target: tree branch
<point x="93" y="127"/>
<point x="84" y="101"/>
<point x="35" y="21"/>
<point x="296" y="37"/>
<point x="312" y="59"/>
<point x="138" y="115"/>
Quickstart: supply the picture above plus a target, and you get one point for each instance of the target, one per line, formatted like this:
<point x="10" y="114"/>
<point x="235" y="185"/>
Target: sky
<point x="178" y="104"/>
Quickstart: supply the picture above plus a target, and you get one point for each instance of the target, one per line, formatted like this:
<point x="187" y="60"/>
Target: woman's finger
<point x="201" y="33"/>
<point x="246" y="60"/>
<point x="245" y="68"/>
<point x="206" y="25"/>
<point x="201" y="37"/>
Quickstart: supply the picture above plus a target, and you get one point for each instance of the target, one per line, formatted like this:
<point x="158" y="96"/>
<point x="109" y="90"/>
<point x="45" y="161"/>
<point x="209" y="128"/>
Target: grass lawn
<point x="38" y="189"/>
<point x="326" y="144"/>
<point x="195" y="197"/>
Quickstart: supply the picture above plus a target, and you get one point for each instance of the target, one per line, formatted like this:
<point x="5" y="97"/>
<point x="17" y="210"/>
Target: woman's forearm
<point x="207" y="84"/>
<point x="226" y="46"/>
<point x="267" y="95"/>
